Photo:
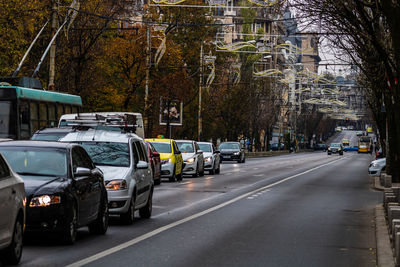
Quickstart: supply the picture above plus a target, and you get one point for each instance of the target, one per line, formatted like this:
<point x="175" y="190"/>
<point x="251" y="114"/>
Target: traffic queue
<point x="91" y="166"/>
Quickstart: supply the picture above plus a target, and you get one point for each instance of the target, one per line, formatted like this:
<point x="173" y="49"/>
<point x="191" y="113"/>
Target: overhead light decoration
<point x="209" y="61"/>
<point x="267" y="73"/>
<point x="163" y="45"/>
<point x="236" y="46"/>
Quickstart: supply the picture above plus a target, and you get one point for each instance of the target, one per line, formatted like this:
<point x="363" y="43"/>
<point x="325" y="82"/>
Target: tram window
<point x="43" y="114"/>
<point x="24" y="119"/>
<point x="52" y="115"/>
<point x="34" y="117"/>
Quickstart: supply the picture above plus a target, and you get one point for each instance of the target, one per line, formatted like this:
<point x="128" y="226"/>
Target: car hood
<point x="207" y="154"/>
<point x="112" y="172"/>
<point x="379" y="161"/>
<point x="186" y="156"/>
<point x="35" y="185"/>
<point x="229" y="150"/>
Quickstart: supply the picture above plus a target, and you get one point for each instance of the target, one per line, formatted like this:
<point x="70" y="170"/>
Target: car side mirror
<point x="80" y="171"/>
<point x="96" y="172"/>
<point x="155" y="155"/>
<point x="142" y="165"/>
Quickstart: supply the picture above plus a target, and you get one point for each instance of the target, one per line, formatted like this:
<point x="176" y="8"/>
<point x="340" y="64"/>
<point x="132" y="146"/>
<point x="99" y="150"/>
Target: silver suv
<point x="12" y="214"/>
<point x="127" y="173"/>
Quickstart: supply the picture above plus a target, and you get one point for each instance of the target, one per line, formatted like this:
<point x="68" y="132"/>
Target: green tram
<point x="24" y="110"/>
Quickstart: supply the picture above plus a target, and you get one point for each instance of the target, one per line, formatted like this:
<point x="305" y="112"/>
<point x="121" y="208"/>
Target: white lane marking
<point x="209" y="178"/>
<point x="258" y="175"/>
<point x="250" y="198"/>
<point x="255" y="168"/>
<point x="184" y="183"/>
<point x="187" y="219"/>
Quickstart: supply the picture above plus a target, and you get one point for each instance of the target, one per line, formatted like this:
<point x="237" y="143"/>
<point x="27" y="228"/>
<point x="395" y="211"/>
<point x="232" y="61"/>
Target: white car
<point x="127" y="172"/>
<point x="12" y="214"/>
<point x="192" y="157"/>
<point x="376" y="166"/>
<point x="212" y="162"/>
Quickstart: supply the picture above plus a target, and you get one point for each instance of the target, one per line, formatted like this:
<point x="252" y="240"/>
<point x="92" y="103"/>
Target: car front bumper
<point x="167" y="170"/>
<point x="228" y="157"/>
<point x="190" y="168"/>
<point x="118" y="201"/>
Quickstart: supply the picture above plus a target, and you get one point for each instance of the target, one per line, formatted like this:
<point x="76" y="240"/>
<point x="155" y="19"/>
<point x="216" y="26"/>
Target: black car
<point x="320" y="147"/>
<point x="231" y="151"/>
<point x="335" y="148"/>
<point x="64" y="189"/>
<point x="51" y="134"/>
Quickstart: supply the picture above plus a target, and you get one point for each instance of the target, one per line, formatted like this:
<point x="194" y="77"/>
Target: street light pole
<point x="199" y="121"/>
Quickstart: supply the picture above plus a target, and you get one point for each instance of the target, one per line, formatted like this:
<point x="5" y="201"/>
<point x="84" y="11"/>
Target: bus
<point x="24" y="110"/>
<point x="365" y="144"/>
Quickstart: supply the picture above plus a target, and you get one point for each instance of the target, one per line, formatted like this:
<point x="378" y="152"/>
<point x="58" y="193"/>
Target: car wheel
<point x="212" y="171"/>
<point x="173" y="177"/>
<point x="180" y="176"/>
<point x="100" y="226"/>
<point x="217" y="170"/>
<point x="196" y="172"/>
<point x="158" y="181"/>
<point x="13" y="252"/>
<point x="129" y="216"/>
<point x="69" y="234"/>
<point x="202" y="172"/>
<point x="145" y="212"/>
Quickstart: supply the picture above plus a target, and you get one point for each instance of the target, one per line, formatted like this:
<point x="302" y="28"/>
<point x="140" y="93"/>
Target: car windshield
<point x="205" y="147"/>
<point x="108" y="153"/>
<point x="162" y="147"/>
<point x="36" y="161"/>
<point x="229" y="146"/>
<point x="48" y="137"/>
<point x="185" y="147"/>
<point x="335" y="145"/>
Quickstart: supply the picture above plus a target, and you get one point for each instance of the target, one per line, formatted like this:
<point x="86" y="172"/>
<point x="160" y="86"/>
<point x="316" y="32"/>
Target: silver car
<point x="212" y="162"/>
<point x="192" y="157"/>
<point x="376" y="166"/>
<point x="12" y="214"/>
<point x="127" y="173"/>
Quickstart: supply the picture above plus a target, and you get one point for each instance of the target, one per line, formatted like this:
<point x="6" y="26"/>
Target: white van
<point x="68" y="120"/>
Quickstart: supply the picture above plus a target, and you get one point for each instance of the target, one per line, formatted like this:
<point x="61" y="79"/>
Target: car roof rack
<point x="125" y="122"/>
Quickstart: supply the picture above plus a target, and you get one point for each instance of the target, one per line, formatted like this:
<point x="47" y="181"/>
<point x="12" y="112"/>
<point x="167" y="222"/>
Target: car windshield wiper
<point x="36" y="174"/>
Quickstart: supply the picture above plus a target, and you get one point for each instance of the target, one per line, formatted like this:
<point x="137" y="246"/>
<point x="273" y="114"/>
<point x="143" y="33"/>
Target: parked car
<point x="232" y="151"/>
<point x="320" y="146"/>
<point x="212" y="162"/>
<point x="376" y="167"/>
<point x="335" y="148"/>
<point x="171" y="158"/>
<point x="155" y="162"/>
<point x="192" y="157"/>
<point x="64" y="189"/>
<point x="51" y="134"/>
<point x="276" y="146"/>
<point x="12" y="214"/>
<point x="127" y="173"/>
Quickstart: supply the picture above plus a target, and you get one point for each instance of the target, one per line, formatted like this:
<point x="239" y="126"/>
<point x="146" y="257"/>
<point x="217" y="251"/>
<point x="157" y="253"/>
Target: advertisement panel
<point x="175" y="108"/>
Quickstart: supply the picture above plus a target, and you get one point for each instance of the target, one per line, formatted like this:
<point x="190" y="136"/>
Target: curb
<point x="384" y="253"/>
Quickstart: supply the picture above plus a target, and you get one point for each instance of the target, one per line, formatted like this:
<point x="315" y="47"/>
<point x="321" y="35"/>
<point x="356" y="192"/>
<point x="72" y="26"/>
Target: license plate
<point x="227" y="157"/>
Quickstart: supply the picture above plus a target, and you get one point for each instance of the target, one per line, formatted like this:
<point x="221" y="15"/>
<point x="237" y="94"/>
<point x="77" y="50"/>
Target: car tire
<point x="12" y="254"/>
<point x="212" y="171"/>
<point x="196" y="172"/>
<point x="158" y="181"/>
<point x="70" y="231"/>
<point x="173" y="177"/>
<point x="145" y="212"/>
<point x="129" y="217"/>
<point x="217" y="170"/>
<point x="179" y="177"/>
<point x="202" y="172"/>
<point x="100" y="225"/>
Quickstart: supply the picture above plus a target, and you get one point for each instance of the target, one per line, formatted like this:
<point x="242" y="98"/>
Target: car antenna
<point x="94" y="134"/>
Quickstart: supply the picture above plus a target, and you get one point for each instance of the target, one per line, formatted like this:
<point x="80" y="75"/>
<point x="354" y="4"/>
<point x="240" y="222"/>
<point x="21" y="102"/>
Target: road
<point x="304" y="209"/>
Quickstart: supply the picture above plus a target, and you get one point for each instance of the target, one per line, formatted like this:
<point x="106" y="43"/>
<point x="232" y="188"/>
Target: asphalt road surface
<point x="304" y="209"/>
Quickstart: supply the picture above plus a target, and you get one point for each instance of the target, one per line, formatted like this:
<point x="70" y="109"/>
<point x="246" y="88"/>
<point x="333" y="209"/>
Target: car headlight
<point x="375" y="165"/>
<point x="191" y="160"/>
<point x="44" y="201"/>
<point x="114" y="185"/>
<point x="164" y="161"/>
<point x="208" y="159"/>
<point x="236" y="153"/>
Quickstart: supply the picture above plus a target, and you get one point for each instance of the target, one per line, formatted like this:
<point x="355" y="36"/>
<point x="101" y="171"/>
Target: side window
<point x="4" y="171"/>
<point x="140" y="151"/>
<point x="196" y="146"/>
<point x="213" y="148"/>
<point x="77" y="160"/>
<point x="42" y="115"/>
<point x="144" y="148"/>
<point x="135" y="153"/>
<point x="86" y="160"/>
<point x="34" y="117"/>
<point x="176" y="149"/>
<point x="24" y="119"/>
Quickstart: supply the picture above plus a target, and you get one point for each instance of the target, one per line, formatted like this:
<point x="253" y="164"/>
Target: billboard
<point x="175" y="112"/>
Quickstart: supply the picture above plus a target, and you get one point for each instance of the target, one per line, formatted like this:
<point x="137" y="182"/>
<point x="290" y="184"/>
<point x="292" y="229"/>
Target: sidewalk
<point x="384" y="252"/>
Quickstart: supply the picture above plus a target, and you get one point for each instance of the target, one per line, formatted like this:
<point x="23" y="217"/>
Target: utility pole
<point x="199" y="133"/>
<point x="54" y="15"/>
<point x="146" y="96"/>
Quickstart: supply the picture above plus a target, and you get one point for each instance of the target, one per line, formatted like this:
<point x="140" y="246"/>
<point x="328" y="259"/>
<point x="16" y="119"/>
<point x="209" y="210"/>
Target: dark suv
<point x="232" y="151"/>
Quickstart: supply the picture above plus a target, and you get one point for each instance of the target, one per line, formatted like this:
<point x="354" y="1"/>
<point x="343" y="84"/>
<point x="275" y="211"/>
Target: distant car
<point x="122" y="157"/>
<point x="171" y="158"/>
<point x="335" y="148"/>
<point x="155" y="162"/>
<point x="192" y="157"/>
<point x="345" y="142"/>
<point x="64" y="189"/>
<point x="320" y="146"/>
<point x="212" y="162"/>
<point x="12" y="214"/>
<point x="359" y="133"/>
<point x="376" y="167"/>
<point x="232" y="151"/>
<point x="51" y="134"/>
<point x="275" y="146"/>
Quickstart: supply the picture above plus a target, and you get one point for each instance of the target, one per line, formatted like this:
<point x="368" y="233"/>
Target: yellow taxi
<point x="345" y="142"/>
<point x="171" y="158"/>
